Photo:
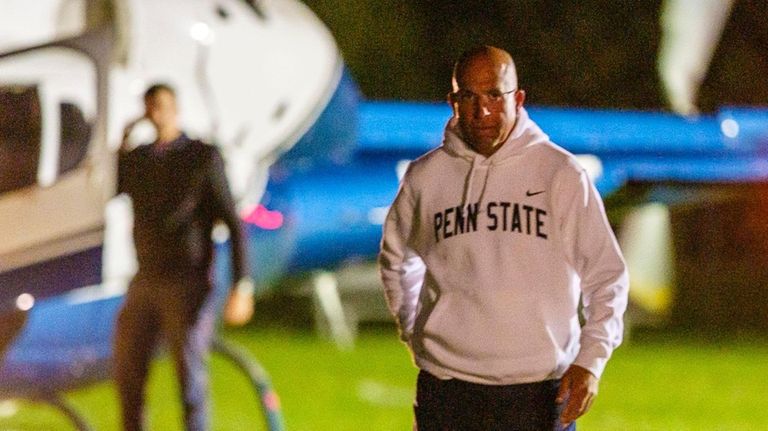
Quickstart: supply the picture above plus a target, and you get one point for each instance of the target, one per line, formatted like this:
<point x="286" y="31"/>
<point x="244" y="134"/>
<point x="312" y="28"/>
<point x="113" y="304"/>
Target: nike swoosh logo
<point x="530" y="193"/>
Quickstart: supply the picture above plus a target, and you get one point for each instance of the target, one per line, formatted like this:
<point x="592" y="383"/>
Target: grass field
<point x="655" y="382"/>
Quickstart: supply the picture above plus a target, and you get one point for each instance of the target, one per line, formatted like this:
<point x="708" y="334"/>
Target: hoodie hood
<point x="525" y="134"/>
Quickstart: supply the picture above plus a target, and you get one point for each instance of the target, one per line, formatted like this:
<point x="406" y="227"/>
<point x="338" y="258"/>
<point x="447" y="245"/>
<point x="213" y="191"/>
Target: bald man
<point x="491" y="243"/>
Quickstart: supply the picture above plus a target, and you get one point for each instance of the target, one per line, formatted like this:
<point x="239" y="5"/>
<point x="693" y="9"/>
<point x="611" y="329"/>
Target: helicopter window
<point x="20" y="134"/>
<point x="75" y="136"/>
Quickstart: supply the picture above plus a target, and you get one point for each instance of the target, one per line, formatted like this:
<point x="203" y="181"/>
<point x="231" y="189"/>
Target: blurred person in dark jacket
<point x="179" y="192"/>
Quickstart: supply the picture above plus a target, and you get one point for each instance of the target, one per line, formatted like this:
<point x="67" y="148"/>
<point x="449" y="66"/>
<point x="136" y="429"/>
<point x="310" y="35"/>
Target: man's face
<point x="485" y="101"/>
<point x="160" y="109"/>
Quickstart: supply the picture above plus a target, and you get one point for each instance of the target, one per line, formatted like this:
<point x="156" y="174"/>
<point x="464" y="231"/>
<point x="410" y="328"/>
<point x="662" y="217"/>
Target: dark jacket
<point x="178" y="194"/>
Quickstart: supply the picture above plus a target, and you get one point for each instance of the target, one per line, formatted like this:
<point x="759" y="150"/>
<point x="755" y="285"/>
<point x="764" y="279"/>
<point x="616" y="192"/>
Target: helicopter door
<point x="51" y="204"/>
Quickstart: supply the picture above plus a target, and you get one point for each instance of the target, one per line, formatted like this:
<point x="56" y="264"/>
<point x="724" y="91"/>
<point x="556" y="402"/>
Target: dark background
<point x="571" y="53"/>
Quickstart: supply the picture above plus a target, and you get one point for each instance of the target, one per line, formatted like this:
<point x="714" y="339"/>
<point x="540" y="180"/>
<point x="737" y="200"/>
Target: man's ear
<point x="519" y="99"/>
<point x="451" y="99"/>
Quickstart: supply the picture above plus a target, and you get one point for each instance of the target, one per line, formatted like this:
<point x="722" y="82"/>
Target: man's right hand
<point x="125" y="145"/>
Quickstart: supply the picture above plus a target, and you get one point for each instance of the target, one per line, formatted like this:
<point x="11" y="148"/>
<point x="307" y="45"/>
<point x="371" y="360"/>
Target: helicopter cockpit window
<point x="75" y="136"/>
<point x="20" y="135"/>
<point x="47" y="112"/>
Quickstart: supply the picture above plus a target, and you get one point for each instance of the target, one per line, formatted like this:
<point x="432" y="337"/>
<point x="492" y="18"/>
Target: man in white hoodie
<point x="492" y="241"/>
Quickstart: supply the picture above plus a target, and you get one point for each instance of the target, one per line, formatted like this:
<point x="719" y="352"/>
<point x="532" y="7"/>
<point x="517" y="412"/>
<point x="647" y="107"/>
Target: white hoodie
<point x="483" y="262"/>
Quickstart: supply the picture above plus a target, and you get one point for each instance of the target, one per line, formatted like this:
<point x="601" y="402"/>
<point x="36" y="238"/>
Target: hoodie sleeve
<point x="593" y="251"/>
<point x="401" y="269"/>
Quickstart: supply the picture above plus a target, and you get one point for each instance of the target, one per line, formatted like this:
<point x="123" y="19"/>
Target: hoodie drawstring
<point x="485" y="184"/>
<point x="470" y="181"/>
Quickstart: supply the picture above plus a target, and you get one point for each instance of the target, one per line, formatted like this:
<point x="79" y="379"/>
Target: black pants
<point x="456" y="405"/>
<point x="182" y="310"/>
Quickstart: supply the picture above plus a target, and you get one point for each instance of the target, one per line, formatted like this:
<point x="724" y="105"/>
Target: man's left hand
<point x="579" y="388"/>
<point x="239" y="307"/>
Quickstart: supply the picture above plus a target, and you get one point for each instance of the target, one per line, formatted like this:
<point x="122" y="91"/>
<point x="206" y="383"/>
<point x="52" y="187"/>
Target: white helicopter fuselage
<point x="251" y="77"/>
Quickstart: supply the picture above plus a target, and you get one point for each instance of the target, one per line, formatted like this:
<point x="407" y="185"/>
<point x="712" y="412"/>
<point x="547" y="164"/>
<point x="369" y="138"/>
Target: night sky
<point x="571" y="53"/>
